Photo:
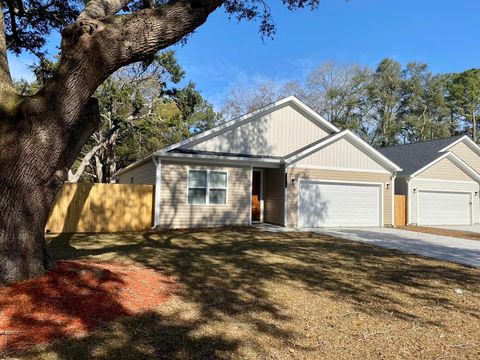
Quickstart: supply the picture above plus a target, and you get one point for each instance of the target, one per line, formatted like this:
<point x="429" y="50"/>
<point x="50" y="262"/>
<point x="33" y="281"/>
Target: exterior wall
<point x="175" y="212"/>
<point x="274" y="196"/>
<point x="318" y="174"/>
<point x="142" y="174"/>
<point x="341" y="154"/>
<point x="276" y="134"/>
<point x="401" y="185"/>
<point x="422" y="184"/>
<point x="444" y="170"/>
<point x="467" y="155"/>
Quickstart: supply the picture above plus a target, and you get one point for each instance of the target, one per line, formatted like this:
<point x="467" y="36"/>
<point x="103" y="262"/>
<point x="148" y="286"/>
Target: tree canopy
<point x="385" y="105"/>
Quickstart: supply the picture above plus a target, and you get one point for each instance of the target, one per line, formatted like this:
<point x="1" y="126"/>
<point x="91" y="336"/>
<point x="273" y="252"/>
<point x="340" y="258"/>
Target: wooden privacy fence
<point x="102" y="208"/>
<point x="400" y="210"/>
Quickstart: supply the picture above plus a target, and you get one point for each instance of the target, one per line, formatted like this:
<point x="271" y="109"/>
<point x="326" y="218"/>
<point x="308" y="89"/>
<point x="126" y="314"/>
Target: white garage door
<point x="443" y="208"/>
<point x="323" y="204"/>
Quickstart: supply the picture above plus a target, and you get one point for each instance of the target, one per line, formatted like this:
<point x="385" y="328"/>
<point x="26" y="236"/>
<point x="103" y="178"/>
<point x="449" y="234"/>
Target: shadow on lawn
<point x="228" y="275"/>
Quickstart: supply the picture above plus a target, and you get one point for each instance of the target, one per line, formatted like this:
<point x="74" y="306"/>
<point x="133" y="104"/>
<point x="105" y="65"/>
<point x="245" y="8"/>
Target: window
<point x="207" y="187"/>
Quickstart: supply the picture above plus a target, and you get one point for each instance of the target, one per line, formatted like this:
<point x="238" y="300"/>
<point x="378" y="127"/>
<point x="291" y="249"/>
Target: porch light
<point x="387" y="186"/>
<point x="414" y="190"/>
<point x="294" y="181"/>
<point x="476" y="193"/>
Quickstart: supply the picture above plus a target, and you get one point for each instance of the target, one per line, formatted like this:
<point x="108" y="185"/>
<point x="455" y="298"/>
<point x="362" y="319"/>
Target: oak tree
<point x="42" y="134"/>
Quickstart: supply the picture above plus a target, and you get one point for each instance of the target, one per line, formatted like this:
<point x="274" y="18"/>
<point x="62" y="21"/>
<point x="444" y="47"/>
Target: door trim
<point x="261" y="195"/>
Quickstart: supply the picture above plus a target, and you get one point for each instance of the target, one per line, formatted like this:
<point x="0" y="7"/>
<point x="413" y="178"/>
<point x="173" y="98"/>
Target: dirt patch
<point x="442" y="232"/>
<point x="75" y="299"/>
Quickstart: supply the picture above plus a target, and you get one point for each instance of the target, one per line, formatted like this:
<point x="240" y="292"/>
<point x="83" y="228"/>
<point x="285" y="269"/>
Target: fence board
<point x="102" y="208"/>
<point x="400" y="210"/>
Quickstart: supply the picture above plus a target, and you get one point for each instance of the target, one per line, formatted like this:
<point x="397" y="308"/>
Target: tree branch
<point x="74" y="177"/>
<point x="99" y="8"/>
<point x="93" y="49"/>
<point x="6" y="84"/>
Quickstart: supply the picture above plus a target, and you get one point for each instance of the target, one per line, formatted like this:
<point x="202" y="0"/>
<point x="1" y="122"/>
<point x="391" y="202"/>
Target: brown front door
<point x="256" y="185"/>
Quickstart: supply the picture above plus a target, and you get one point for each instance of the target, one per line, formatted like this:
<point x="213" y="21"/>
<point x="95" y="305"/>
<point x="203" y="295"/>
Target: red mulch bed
<point x="75" y="299"/>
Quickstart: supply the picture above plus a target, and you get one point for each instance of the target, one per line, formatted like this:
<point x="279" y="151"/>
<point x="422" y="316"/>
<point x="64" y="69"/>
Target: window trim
<point x="207" y="199"/>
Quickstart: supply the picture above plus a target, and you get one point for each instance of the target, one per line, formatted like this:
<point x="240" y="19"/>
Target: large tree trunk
<point x="41" y="135"/>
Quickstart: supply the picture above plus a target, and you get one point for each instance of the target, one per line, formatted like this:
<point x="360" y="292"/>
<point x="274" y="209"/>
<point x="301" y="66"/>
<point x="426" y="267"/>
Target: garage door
<point x="324" y="204"/>
<point x="443" y="208"/>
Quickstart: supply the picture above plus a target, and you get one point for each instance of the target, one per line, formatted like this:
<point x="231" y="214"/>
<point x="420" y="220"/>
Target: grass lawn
<point x="443" y="232"/>
<point x="247" y="294"/>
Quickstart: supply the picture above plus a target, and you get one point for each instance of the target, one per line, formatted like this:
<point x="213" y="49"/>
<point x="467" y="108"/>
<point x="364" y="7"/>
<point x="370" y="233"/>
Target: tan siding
<point x="444" y="170"/>
<point x="420" y="184"/>
<point x="341" y="154"/>
<point x="142" y="174"/>
<point x="467" y="155"/>
<point x="277" y="133"/>
<point x="274" y="196"/>
<point x="299" y="173"/>
<point x="175" y="211"/>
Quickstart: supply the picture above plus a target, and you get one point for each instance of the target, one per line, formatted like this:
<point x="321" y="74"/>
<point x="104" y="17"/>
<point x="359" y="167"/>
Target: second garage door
<point x="325" y="204"/>
<point x="444" y="208"/>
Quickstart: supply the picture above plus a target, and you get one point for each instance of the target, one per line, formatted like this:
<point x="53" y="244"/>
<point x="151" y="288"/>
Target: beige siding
<point x="420" y="184"/>
<point x="445" y="169"/>
<point x="316" y="174"/>
<point x="274" y="196"/>
<point x="142" y="174"/>
<point x="175" y="211"/>
<point x="467" y="155"/>
<point x="341" y="154"/>
<point x="277" y="133"/>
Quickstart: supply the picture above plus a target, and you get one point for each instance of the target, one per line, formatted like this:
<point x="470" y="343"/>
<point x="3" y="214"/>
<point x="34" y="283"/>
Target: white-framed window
<point x="207" y="187"/>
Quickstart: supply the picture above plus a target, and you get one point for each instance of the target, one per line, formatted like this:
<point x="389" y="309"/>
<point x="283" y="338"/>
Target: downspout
<point x="408" y="201"/>
<point x="158" y="183"/>
<point x="394" y="176"/>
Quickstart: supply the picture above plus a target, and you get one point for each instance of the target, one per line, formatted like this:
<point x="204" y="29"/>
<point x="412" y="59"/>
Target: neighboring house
<point x="441" y="180"/>
<point x="282" y="164"/>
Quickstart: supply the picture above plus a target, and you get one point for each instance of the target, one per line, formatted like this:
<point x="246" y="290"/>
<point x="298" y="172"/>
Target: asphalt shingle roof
<point x="412" y="157"/>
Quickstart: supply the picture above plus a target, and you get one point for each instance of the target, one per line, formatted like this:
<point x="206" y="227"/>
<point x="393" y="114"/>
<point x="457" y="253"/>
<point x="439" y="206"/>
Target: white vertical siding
<point x="276" y="134"/>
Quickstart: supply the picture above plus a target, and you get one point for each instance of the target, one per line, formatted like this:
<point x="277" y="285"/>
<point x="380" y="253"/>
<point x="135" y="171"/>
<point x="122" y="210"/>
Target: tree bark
<point x="41" y="135"/>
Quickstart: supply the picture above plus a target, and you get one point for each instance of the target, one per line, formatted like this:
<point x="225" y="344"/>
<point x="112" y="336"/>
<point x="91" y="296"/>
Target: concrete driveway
<point x="440" y="247"/>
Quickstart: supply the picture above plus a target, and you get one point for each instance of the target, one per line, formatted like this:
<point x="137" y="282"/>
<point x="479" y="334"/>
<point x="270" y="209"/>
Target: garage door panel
<point x="444" y="208"/>
<point x="336" y="204"/>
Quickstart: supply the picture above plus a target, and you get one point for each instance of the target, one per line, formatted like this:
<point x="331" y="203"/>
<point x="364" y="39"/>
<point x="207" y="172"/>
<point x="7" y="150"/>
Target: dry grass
<point x="248" y="294"/>
<point x="443" y="232"/>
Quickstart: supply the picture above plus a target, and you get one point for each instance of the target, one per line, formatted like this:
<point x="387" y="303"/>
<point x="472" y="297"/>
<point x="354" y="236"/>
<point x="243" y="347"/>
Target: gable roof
<point x="229" y="125"/>
<point x="468" y="141"/>
<point x="346" y="134"/>
<point x="415" y="156"/>
<point x="455" y="160"/>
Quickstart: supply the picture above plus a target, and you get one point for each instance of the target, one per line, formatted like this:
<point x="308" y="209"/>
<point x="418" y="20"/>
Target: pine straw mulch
<point x="76" y="299"/>
<point x="442" y="232"/>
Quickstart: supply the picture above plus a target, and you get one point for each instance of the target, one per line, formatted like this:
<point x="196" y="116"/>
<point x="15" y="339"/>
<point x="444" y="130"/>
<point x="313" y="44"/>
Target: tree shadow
<point x="232" y="276"/>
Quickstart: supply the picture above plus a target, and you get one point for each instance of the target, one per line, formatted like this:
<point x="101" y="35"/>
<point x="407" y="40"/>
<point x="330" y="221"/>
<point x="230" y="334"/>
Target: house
<point x="282" y="164"/>
<point x="441" y="180"/>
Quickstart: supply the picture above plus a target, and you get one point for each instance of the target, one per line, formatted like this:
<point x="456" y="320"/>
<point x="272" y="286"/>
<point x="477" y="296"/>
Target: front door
<point x="256" y="190"/>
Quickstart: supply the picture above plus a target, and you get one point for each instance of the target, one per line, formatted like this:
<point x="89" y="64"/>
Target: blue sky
<point x="222" y="53"/>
